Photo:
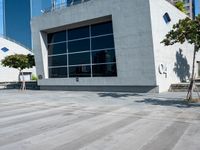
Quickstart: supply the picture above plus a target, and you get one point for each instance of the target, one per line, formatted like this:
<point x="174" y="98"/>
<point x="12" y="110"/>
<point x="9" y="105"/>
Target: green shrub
<point x="34" y="77"/>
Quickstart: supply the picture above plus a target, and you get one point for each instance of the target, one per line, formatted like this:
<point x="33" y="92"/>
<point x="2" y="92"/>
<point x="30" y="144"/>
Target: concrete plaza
<point x="60" y="120"/>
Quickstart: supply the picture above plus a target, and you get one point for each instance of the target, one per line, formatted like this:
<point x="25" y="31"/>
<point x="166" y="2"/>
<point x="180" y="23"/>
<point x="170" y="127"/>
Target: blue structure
<point x="17" y="21"/>
<point x="16" y="16"/>
<point x="197" y="5"/>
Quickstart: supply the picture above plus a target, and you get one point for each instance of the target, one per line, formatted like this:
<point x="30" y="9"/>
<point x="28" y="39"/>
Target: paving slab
<point x="63" y="120"/>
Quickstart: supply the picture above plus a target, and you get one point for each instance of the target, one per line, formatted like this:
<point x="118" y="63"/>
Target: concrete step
<point x="182" y="87"/>
<point x="30" y="85"/>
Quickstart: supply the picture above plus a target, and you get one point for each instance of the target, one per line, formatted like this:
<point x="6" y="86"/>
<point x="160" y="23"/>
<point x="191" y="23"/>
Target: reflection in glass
<point x="57" y="37"/>
<point x="102" y="42"/>
<point x="57" y="60"/>
<point x="104" y="56"/>
<point x="79" y="58"/>
<point x="58" y="72"/>
<point x="59" y="48"/>
<point x="101" y="28"/>
<point x="80" y="45"/>
<point x="80" y="71"/>
<point x="78" y="33"/>
<point x="107" y="70"/>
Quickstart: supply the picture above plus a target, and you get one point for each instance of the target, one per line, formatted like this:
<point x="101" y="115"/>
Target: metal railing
<point x="66" y="4"/>
<point x="14" y="41"/>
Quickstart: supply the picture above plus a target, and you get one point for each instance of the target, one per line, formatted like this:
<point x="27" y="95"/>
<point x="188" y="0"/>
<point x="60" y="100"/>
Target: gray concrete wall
<point x="178" y="63"/>
<point x="132" y="36"/>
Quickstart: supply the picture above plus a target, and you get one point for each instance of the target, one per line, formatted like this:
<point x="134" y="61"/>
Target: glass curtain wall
<point x="1" y="17"/>
<point x="87" y="51"/>
<point x="38" y="6"/>
<point x="17" y="21"/>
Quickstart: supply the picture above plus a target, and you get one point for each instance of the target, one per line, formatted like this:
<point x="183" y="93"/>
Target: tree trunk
<point x="191" y="85"/>
<point x="23" y="82"/>
<point x="19" y="80"/>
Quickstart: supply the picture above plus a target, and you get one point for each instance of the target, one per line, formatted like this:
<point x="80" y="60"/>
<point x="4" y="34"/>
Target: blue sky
<point x="197" y="4"/>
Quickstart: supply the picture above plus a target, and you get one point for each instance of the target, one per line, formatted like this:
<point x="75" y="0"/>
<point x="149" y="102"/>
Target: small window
<point x="4" y="49"/>
<point x="167" y="18"/>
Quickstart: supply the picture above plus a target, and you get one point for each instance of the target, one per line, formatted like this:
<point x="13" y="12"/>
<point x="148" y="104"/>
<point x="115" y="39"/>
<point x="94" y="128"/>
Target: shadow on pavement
<point x="118" y="95"/>
<point x="174" y="103"/>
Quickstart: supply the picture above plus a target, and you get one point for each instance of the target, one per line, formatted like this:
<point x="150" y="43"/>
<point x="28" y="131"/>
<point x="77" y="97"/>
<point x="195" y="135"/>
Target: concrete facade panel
<point x="131" y="25"/>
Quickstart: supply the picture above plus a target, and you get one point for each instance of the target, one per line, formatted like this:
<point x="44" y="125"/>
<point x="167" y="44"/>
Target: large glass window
<point x="87" y="51"/>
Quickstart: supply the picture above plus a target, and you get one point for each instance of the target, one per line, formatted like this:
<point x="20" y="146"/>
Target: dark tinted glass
<point x="80" y="45"/>
<point x="107" y="70"/>
<point x="167" y="18"/>
<point x="56" y="37"/>
<point x="58" y="60"/>
<point x="79" y="58"/>
<point x="80" y="71"/>
<point x="58" y="72"/>
<point x="78" y="33"/>
<point x="76" y="2"/>
<point x="69" y="2"/>
<point x="102" y="28"/>
<point x="103" y="42"/>
<point x="57" y="48"/>
<point x="103" y="56"/>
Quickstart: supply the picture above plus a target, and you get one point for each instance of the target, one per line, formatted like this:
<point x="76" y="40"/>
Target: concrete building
<point x="9" y="47"/>
<point x="110" y="45"/>
<point x="189" y="6"/>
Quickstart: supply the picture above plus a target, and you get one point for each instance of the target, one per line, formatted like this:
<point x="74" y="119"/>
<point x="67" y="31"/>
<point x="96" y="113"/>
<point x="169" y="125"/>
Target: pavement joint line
<point x="76" y="120"/>
<point x="99" y="133"/>
<point x="21" y="111"/>
<point x="84" y="120"/>
<point x="173" y="121"/>
<point x="75" y="144"/>
<point x="61" y="108"/>
<point x="25" y="112"/>
<point x="137" y="126"/>
<point x="60" y="114"/>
